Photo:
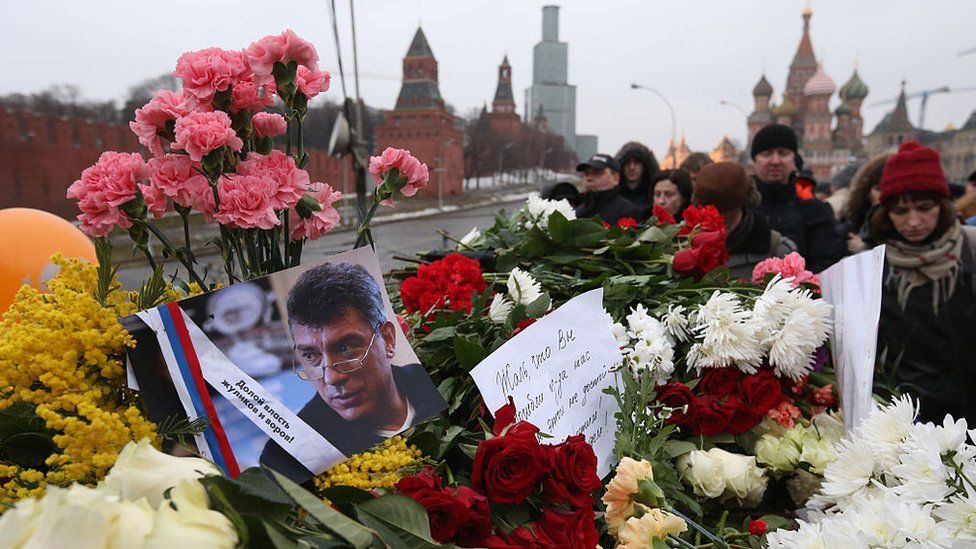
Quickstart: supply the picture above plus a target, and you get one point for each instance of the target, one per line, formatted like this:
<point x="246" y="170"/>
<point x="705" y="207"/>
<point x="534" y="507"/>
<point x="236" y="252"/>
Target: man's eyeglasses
<point x="307" y="364"/>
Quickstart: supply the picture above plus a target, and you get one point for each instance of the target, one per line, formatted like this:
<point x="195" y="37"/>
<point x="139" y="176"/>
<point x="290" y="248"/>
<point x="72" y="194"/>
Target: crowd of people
<point x="902" y="199"/>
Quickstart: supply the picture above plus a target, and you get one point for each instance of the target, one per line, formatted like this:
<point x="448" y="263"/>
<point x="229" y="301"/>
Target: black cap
<point x="773" y="136"/>
<point x="600" y="161"/>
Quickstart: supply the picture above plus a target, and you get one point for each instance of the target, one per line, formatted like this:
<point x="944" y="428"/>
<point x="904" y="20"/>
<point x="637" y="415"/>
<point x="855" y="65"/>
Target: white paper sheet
<point x="556" y="371"/>
<point x="853" y="287"/>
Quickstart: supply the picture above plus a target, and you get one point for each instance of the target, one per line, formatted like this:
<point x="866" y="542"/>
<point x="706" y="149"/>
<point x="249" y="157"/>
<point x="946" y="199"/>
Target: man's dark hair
<point x="695" y="162"/>
<point x="972" y="177"/>
<point x="327" y="292"/>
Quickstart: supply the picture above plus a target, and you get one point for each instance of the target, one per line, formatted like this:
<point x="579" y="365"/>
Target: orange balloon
<point x="28" y="239"/>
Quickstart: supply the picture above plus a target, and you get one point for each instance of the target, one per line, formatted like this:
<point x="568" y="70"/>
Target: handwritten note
<point x="555" y="371"/>
<point x="853" y="287"/>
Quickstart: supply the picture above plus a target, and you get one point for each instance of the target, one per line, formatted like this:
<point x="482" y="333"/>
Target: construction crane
<point x="924" y="94"/>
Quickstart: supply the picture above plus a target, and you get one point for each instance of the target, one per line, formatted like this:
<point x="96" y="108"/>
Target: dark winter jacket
<point x="810" y="224"/>
<point x="933" y="355"/>
<point x="609" y="205"/>
<point x="752" y="241"/>
<point x="640" y="195"/>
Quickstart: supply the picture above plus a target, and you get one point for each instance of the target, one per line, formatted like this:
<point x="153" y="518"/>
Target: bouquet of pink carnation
<point x="792" y="266"/>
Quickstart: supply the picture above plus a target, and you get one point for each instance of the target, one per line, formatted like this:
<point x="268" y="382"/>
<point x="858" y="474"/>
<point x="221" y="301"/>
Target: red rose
<point x="711" y="250"/>
<point x="742" y="418"/>
<point x="478" y="526"/>
<point x="507" y="468"/>
<point x="706" y="218"/>
<point x="663" y="216"/>
<point x="504" y="417"/>
<point x="758" y="527"/>
<point x="685" y="261"/>
<point x="523" y="325"/>
<point x="445" y="512"/>
<point x="719" y="382"/>
<point x="709" y="417"/>
<point x="572" y="474"/>
<point x="760" y="391"/>
<point x="583" y="533"/>
<point x="522" y="537"/>
<point x="627" y="223"/>
<point x="675" y="395"/>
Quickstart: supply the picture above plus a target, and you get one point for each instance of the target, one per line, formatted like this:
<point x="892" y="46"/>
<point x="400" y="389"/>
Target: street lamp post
<point x="674" y="124"/>
<point x="542" y="162"/>
<point x="734" y="106"/>
<point x="501" y="156"/>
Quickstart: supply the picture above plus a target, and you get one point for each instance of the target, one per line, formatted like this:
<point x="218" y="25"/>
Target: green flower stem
<point x="149" y="257"/>
<point x="711" y="537"/>
<point x="227" y="252"/>
<point x="236" y="241"/>
<point x="176" y="252"/>
<point x="284" y="241"/>
<point x="185" y="217"/>
<point x="363" y="231"/>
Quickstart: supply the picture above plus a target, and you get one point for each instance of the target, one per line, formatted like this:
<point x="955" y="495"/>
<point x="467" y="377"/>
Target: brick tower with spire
<point x="504" y="119"/>
<point x="421" y="123"/>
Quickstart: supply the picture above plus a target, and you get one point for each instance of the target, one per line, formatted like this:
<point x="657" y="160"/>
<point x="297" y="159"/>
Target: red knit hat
<point x="913" y="168"/>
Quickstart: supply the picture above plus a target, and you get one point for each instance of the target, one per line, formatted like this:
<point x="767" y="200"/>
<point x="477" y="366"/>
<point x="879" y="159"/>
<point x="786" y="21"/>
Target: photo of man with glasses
<point x="344" y="346"/>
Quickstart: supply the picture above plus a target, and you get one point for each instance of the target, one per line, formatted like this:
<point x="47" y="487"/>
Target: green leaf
<point x="440" y="334"/>
<point x="674" y="448"/>
<point x="585" y="232"/>
<point x="469" y="352"/>
<point x="775" y="522"/>
<point x="253" y="493"/>
<point x="559" y="228"/>
<point x="279" y="540"/>
<point x="539" y="307"/>
<point x="28" y="450"/>
<point x="402" y="515"/>
<point x="356" y="534"/>
<point x="652" y="234"/>
<point x="341" y="495"/>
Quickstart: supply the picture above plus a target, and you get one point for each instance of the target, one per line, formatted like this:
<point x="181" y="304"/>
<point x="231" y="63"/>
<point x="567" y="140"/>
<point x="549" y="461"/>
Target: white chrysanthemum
<point x="725" y="335"/>
<point x="522" y="288"/>
<point x="538" y="209"/>
<point x="619" y="331"/>
<point x="677" y="323"/>
<point x="471" y="238"/>
<point x="829" y="425"/>
<point x="655" y="356"/>
<point x="791" y="326"/>
<point x="924" y="478"/>
<point x="850" y="474"/>
<point x="885" y="429"/>
<point x="958" y="517"/>
<point x="499" y="308"/>
<point x="828" y="534"/>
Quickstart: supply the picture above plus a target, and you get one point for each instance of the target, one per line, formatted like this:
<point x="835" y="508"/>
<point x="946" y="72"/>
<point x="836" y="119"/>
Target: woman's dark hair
<point x="882" y="229"/>
<point x="680" y="178"/>
<point x="859" y="202"/>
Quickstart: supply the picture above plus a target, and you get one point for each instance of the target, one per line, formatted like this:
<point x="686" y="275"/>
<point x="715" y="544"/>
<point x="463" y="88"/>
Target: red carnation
<point x="627" y="223"/>
<point x="507" y="468"/>
<point x="708" y="416"/>
<point x="663" y="216"/>
<point x="758" y="527"/>
<point x="705" y="218"/>
<point x="760" y="391"/>
<point x="445" y="283"/>
<point x="572" y="474"/>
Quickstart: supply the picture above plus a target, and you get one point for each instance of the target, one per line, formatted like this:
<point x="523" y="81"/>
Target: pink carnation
<point x="784" y="413"/>
<point x="201" y="132"/>
<point x="152" y="118"/>
<point x="208" y="71"/>
<point x="321" y="221"/>
<point x="284" y="47"/>
<point x="793" y="265"/>
<point x="106" y="186"/>
<point x="412" y="170"/>
<point x="268" y="124"/>
<point x="248" y="95"/>
<point x="290" y="182"/>
<point x="155" y="200"/>
<point x="312" y="82"/>
<point x="245" y="202"/>
<point x="178" y="178"/>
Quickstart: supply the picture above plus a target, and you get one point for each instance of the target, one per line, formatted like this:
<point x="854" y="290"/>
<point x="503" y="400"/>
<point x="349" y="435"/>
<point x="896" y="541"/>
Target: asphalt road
<point x="403" y="238"/>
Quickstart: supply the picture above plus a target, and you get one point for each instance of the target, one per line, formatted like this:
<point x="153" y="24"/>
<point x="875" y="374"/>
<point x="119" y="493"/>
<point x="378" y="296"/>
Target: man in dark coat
<point x="810" y="224"/>
<point x="638" y="165"/>
<point x="344" y="345"/>
<point x="601" y="191"/>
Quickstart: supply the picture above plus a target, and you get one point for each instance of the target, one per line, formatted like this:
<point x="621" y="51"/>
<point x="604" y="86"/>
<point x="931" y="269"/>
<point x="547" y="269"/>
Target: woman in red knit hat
<point x="928" y="307"/>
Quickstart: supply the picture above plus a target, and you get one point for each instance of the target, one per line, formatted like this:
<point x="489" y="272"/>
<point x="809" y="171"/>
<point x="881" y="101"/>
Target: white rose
<point x="703" y="472"/>
<point x="745" y="481"/>
<point x="132" y="522"/>
<point x="193" y="524"/>
<point x="779" y="453"/>
<point x="19" y="524"/>
<point x="143" y="471"/>
<point x="819" y="454"/>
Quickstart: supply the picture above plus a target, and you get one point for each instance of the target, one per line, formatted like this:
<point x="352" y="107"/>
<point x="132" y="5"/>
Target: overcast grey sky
<point x="696" y="52"/>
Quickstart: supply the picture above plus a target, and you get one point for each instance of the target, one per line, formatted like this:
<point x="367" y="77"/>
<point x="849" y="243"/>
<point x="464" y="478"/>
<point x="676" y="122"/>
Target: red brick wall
<point x="41" y="155"/>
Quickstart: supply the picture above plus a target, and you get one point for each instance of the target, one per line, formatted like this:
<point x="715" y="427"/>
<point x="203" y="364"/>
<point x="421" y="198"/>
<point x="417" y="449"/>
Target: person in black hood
<point x="637" y="165"/>
<point x="810" y="224"/>
<point x="601" y="191"/>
